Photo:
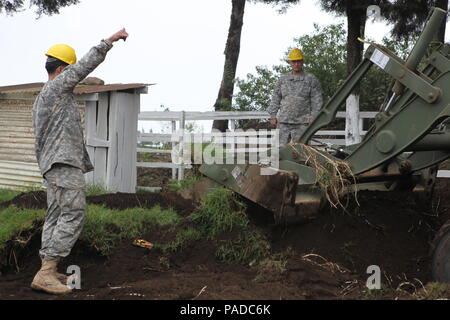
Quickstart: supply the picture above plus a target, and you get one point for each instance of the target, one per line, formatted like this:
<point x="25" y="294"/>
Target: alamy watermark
<point x="232" y="147"/>
<point x="374" y="281"/>
<point x="74" y="278"/>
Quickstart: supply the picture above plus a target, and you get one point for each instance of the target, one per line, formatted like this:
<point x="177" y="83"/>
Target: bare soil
<point x="327" y="258"/>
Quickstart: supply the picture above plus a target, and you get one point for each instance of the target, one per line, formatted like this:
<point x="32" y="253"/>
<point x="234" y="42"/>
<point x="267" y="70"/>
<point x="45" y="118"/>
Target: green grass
<point x="218" y="212"/>
<point x="13" y="221"/>
<point x="247" y="247"/>
<point x="182" y="239"/>
<point x="6" y="195"/>
<point x="96" y="190"/>
<point x="175" y="185"/>
<point x="222" y="214"/>
<point x="104" y="228"/>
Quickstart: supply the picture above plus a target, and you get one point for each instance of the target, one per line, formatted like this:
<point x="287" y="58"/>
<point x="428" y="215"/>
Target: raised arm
<point x="75" y="73"/>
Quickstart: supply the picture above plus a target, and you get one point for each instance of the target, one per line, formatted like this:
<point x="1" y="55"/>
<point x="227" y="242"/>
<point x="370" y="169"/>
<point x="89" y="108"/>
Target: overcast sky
<point x="176" y="44"/>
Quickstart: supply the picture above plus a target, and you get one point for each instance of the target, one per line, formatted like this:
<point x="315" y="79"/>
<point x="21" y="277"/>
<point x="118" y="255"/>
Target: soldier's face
<point x="296" y="65"/>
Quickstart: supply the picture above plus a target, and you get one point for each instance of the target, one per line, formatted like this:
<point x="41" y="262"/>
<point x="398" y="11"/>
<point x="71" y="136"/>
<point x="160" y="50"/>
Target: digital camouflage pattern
<point x="56" y="118"/>
<point x="64" y="220"/>
<point x="291" y="132"/>
<point x="62" y="155"/>
<point x="296" y="98"/>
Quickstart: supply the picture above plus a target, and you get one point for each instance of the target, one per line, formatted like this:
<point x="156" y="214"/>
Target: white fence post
<point x="174" y="129"/>
<point x="181" y="148"/>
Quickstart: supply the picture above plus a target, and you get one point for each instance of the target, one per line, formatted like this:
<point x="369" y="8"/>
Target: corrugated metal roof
<point x="81" y="89"/>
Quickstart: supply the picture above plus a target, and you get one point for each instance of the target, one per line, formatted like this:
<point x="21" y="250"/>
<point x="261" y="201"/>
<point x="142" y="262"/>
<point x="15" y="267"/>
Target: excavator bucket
<point x="287" y="191"/>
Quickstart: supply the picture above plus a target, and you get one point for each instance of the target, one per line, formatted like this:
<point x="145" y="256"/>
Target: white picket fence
<point x="179" y="119"/>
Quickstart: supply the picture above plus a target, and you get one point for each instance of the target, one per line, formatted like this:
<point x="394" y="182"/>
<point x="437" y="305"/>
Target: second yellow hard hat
<point x="295" y="54"/>
<point x="62" y="52"/>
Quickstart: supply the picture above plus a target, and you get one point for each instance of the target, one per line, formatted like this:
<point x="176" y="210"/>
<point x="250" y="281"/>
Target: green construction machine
<point x="410" y="137"/>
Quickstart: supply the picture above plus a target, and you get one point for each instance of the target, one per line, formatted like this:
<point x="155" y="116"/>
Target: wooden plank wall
<point x="97" y="113"/>
<point x="121" y="163"/>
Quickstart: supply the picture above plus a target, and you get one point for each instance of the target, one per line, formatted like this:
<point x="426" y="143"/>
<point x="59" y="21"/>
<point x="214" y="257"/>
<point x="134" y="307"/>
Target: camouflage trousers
<point x="291" y="132"/>
<point x="66" y="202"/>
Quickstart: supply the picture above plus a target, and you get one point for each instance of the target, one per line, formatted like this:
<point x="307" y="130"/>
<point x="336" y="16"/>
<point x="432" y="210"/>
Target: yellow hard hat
<point x="295" y="54"/>
<point x="62" y="52"/>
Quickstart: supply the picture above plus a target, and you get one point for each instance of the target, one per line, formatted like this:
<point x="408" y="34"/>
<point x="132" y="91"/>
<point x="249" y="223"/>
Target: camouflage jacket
<point x="296" y="99"/>
<point x="56" y="118"/>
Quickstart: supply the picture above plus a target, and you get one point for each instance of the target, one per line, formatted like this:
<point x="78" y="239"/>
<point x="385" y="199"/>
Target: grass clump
<point x="182" y="240"/>
<point x="218" y="212"/>
<point x="14" y="221"/>
<point x="96" y="190"/>
<point x="176" y="185"/>
<point x="247" y="247"/>
<point x="104" y="228"/>
<point x="273" y="268"/>
<point x="221" y="218"/>
<point x="6" y="195"/>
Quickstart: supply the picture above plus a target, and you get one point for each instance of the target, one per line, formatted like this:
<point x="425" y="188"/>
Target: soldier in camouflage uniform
<point x="297" y="99"/>
<point x="62" y="156"/>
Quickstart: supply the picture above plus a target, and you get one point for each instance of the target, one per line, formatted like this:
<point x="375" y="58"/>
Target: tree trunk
<point x="356" y="19"/>
<point x="443" y="4"/>
<point x="232" y="49"/>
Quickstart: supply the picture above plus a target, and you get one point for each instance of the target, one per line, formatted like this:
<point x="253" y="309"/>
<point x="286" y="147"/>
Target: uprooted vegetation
<point x="226" y="248"/>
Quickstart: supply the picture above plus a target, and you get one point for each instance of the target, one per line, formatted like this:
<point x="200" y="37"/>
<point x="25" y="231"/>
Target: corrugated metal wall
<point x="18" y="167"/>
<point x="18" y="164"/>
<point x="16" y="131"/>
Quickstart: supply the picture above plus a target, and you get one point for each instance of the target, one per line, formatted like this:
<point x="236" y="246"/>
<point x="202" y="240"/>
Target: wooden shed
<point x="109" y="115"/>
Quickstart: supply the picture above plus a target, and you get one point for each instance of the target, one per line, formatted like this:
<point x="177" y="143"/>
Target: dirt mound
<point x="30" y="200"/>
<point x="118" y="201"/>
<point x="386" y="230"/>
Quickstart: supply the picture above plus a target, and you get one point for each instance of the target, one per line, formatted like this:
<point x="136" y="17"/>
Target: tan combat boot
<point x="61" y="277"/>
<point x="46" y="280"/>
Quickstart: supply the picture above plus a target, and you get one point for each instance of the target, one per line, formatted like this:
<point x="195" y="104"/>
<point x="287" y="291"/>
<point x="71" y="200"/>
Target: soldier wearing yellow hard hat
<point x="296" y="100"/>
<point x="62" y="52"/>
<point x="58" y="57"/>
<point x="62" y="156"/>
<point x="295" y="55"/>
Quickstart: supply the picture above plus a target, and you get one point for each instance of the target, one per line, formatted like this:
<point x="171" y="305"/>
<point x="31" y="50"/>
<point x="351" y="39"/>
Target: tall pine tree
<point x="232" y="50"/>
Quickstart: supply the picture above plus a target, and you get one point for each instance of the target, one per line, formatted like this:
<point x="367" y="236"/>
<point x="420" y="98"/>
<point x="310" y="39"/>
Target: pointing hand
<point x="122" y="34"/>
